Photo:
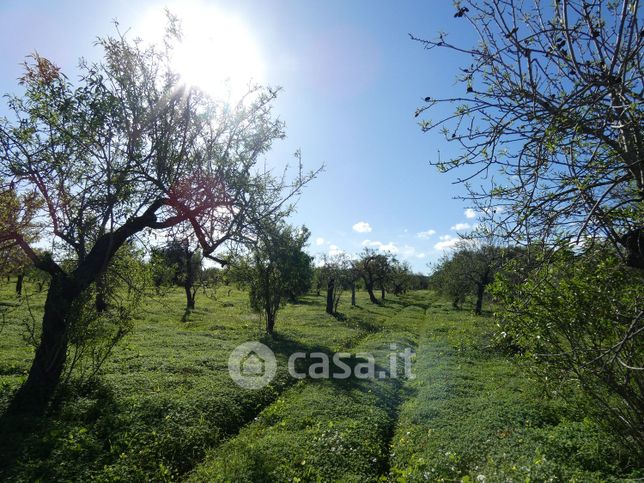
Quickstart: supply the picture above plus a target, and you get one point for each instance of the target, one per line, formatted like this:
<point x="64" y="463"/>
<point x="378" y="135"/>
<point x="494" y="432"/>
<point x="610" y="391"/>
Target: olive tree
<point x="336" y="275"/>
<point x="469" y="270"/>
<point x="125" y="150"/>
<point x="186" y="264"/>
<point x="374" y="268"/>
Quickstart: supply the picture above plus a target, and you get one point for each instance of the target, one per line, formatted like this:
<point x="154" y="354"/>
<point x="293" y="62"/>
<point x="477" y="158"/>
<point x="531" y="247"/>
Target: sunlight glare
<point x="217" y="52"/>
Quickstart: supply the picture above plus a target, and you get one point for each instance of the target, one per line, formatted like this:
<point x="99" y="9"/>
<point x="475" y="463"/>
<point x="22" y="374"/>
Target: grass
<point x="165" y="408"/>
<point x="165" y="394"/>
<point x="475" y="416"/>
<point x="322" y="430"/>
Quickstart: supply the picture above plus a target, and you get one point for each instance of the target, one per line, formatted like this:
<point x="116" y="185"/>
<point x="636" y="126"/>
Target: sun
<point x="217" y="52"/>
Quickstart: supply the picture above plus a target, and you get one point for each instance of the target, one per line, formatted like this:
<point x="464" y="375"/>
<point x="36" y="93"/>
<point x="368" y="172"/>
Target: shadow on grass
<point x="30" y="439"/>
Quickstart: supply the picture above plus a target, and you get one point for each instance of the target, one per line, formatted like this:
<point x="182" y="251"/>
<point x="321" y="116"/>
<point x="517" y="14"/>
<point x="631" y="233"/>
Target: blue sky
<point x="352" y="80"/>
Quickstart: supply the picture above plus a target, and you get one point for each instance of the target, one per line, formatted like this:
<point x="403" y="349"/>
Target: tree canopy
<point x="125" y="150"/>
<point x="550" y="120"/>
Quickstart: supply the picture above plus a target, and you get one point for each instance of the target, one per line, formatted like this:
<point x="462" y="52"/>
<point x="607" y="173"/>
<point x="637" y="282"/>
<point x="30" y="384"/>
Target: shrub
<point x="580" y="318"/>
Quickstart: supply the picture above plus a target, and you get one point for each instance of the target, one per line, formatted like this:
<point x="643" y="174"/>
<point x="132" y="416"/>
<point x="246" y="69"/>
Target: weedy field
<point x="165" y="408"/>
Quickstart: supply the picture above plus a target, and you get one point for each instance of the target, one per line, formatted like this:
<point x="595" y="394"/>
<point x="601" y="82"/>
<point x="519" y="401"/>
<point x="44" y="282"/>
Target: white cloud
<point x="494" y="210"/>
<point x="461" y="227"/>
<point x="362" y="227"/>
<point x="470" y="213"/>
<point x="408" y="251"/>
<point x="335" y="250"/>
<point x="319" y="241"/>
<point x="383" y="247"/>
<point x="447" y="241"/>
<point x="426" y="233"/>
<point x="389" y="247"/>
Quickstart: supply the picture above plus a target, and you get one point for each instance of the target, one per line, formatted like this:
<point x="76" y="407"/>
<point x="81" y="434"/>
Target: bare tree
<point x="551" y="117"/>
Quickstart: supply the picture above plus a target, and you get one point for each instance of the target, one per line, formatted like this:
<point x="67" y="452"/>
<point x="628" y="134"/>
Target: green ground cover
<point x="165" y="407"/>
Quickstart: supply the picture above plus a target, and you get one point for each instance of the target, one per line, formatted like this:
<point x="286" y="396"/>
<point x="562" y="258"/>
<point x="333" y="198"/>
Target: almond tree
<point x="550" y="120"/>
<point x="549" y="125"/>
<point x="124" y="151"/>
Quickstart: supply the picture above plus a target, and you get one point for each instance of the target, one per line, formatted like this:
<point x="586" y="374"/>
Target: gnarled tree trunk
<point x="51" y="353"/>
<point x="330" y="289"/>
<point x="372" y="297"/>
<point x="21" y="278"/>
<point x="189" y="281"/>
<point x="480" y="290"/>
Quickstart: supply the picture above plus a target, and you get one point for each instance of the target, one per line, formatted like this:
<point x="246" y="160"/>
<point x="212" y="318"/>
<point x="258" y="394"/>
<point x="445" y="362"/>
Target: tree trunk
<point x="189" y="281"/>
<point x="190" y="297"/>
<point x="48" y="363"/>
<point x="49" y="360"/>
<point x="21" y="277"/>
<point x="480" y="290"/>
<point x="353" y="293"/>
<point x="382" y="292"/>
<point x="330" y="289"/>
<point x="100" y="302"/>
<point x="270" y="322"/>
<point x="372" y="297"/>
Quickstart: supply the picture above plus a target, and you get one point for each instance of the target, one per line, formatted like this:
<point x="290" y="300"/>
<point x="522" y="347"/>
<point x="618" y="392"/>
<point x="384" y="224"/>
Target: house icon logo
<point x="252" y="365"/>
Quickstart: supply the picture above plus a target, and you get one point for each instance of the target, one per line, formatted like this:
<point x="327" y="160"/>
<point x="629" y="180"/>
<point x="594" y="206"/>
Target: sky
<point x="352" y="79"/>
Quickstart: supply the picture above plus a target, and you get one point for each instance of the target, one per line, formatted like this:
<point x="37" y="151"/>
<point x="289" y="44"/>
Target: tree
<point x="299" y="266"/>
<point x="551" y="114"/>
<point x="400" y="277"/>
<point x="17" y="213"/>
<point x="373" y="268"/>
<point x="125" y="151"/>
<point x="275" y="269"/>
<point x="336" y="274"/>
<point x="469" y="270"/>
<point x="186" y="263"/>
<point x="577" y="321"/>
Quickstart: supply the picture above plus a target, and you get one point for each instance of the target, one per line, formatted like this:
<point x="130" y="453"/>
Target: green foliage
<point x="165" y="406"/>
<point x="336" y="274"/>
<point x="579" y="320"/>
<point x="276" y="269"/>
<point x="400" y="277"/>
<point x="94" y="331"/>
<point x="468" y="271"/>
<point x="375" y="269"/>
